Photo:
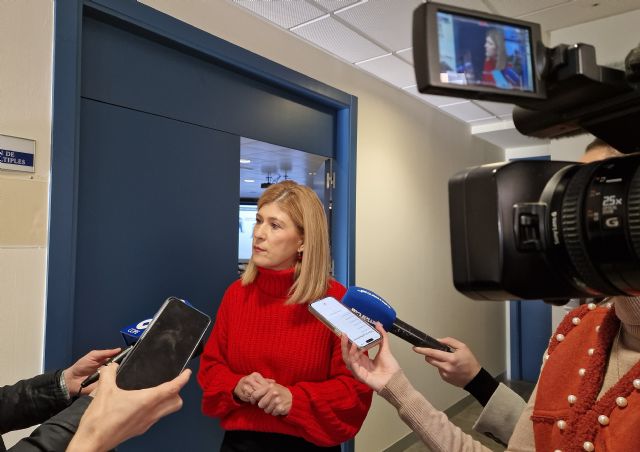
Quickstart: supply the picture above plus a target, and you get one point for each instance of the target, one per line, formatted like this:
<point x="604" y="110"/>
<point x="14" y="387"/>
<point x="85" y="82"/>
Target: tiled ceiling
<point x="264" y="162"/>
<point x="375" y="36"/>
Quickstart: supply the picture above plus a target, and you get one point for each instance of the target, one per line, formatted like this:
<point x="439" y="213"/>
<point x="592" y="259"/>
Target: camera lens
<point x="593" y="225"/>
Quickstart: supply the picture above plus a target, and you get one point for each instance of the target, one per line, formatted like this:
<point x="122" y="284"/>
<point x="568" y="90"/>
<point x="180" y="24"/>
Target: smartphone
<point x="166" y="346"/>
<point x="340" y="319"/>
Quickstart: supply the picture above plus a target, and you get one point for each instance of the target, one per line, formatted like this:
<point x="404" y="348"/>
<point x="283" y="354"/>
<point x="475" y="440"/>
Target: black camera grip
<point x="416" y="337"/>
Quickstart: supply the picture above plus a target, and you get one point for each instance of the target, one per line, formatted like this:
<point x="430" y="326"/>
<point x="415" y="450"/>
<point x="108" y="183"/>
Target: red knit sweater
<point x="255" y="332"/>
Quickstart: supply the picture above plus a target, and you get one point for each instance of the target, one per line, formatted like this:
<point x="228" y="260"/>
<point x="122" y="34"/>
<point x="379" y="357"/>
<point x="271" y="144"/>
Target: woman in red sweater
<point x="270" y="371"/>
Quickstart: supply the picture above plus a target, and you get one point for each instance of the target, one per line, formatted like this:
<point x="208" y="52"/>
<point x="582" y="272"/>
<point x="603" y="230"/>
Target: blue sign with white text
<point x="21" y="159"/>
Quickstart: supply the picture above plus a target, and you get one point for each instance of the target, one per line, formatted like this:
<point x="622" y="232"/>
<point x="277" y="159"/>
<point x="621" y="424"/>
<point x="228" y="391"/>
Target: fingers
<point x="177" y="383"/>
<point x="259" y="393"/>
<point x="384" y="345"/>
<point x="275" y="400"/>
<point x="257" y="378"/>
<point x="101" y="356"/>
<point x="440" y="365"/>
<point x="266" y="398"/>
<point x="108" y="375"/>
<point x="432" y="353"/>
<point x="455" y="343"/>
<point x="344" y="344"/>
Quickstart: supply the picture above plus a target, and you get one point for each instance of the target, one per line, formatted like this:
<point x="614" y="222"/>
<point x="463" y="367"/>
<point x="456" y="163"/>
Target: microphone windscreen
<point x="132" y="333"/>
<point x="369" y="305"/>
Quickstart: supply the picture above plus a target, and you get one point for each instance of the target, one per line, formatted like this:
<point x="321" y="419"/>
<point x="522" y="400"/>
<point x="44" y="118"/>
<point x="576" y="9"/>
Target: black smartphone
<point x="340" y="319"/>
<point x="166" y="346"/>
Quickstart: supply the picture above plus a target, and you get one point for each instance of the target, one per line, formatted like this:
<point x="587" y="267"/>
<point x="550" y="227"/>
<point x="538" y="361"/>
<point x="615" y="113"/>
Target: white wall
<point x="25" y="111"/>
<point x="613" y="37"/>
<point x="406" y="153"/>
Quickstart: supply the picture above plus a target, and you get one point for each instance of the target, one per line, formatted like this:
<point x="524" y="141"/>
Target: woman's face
<point x="489" y="47"/>
<point x="276" y="240"/>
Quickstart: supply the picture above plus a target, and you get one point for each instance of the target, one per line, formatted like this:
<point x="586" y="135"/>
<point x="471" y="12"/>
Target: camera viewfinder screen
<point x="483" y="53"/>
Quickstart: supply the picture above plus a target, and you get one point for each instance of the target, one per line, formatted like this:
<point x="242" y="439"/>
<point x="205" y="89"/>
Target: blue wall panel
<point x="125" y="69"/>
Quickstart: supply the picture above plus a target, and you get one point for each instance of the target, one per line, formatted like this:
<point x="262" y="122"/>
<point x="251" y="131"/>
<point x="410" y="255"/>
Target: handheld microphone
<point x="372" y="308"/>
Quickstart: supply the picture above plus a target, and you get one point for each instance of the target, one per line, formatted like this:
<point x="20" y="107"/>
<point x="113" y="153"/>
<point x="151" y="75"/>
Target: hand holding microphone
<point x="88" y="364"/>
<point x="373" y="308"/>
<point x="457" y="368"/>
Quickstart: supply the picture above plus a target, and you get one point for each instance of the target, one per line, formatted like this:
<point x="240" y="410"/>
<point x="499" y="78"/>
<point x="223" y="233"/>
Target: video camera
<point x="538" y="229"/>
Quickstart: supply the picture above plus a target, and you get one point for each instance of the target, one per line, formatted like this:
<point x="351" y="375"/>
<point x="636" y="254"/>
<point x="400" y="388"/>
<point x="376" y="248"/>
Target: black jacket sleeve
<point x="30" y="402"/>
<point x="56" y="433"/>
<point x="482" y="386"/>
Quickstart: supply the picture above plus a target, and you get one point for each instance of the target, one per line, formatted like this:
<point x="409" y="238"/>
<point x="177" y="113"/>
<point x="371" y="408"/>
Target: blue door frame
<point x="66" y="130"/>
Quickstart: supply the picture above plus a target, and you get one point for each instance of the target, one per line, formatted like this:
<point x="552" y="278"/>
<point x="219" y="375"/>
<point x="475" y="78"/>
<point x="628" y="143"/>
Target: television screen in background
<point x="246" y="222"/>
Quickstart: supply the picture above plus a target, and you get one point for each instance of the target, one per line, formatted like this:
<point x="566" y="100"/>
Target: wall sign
<point x="17" y="154"/>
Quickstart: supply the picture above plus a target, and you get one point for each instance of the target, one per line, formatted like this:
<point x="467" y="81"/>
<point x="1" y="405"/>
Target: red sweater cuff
<point x="300" y="407"/>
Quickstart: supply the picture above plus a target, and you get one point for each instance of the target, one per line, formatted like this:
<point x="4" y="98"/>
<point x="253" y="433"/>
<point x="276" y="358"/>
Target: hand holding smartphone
<point x="341" y="320"/>
<point x="166" y="346"/>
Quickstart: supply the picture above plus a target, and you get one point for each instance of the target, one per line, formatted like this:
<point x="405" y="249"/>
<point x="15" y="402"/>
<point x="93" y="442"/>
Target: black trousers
<point x="248" y="441"/>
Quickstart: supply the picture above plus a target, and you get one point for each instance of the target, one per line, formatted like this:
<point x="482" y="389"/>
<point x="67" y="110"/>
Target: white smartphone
<point x="340" y="319"/>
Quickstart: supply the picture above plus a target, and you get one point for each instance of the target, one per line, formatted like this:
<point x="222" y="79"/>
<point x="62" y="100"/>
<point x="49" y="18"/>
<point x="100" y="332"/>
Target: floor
<point x="467" y="417"/>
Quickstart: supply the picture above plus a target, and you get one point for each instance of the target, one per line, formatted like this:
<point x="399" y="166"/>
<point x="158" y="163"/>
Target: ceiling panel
<point x="406" y="55"/>
<point x="275" y="162"/>
<point x="338" y="39"/>
<point x="284" y="14"/>
<point x="511" y="8"/>
<point x="333" y="5"/>
<point x="578" y="12"/>
<point x="485" y="121"/>
<point x="467" y="111"/>
<point x="387" y="22"/>
<point x="392" y="69"/>
<point x="437" y="101"/>
<point x="497" y="108"/>
<point x="478" y="5"/>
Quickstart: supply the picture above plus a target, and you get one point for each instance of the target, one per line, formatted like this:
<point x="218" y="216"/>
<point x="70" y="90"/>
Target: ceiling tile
<point x="387" y="22"/>
<point x="478" y="5"/>
<point x="338" y="39"/>
<point x="578" y="12"/>
<point x="406" y="55"/>
<point x="437" y="101"/>
<point x="509" y="138"/>
<point x="333" y="5"/>
<point x="467" y="111"/>
<point x="497" y="108"/>
<point x="274" y="161"/>
<point x="485" y="121"/>
<point x="392" y="69"/>
<point x="511" y="8"/>
<point x="284" y="14"/>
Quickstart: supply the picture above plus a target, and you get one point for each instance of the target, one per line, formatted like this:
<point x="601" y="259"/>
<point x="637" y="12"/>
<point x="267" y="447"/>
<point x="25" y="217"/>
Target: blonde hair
<point x="497" y="36"/>
<point x="312" y="272"/>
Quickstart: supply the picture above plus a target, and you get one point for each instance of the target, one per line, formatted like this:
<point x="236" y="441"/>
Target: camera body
<point x="550" y="230"/>
<point x="538" y="229"/>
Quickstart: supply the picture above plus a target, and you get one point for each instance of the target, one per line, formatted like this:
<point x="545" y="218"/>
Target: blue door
<point x="157" y="206"/>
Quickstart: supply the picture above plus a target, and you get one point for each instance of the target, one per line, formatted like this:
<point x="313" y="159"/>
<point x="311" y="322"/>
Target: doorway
<point x="145" y="141"/>
<point x="263" y="164"/>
